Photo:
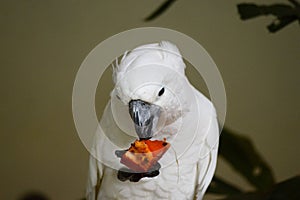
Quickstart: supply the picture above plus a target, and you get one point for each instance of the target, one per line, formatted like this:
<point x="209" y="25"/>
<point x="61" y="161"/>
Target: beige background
<point x="44" y="42"/>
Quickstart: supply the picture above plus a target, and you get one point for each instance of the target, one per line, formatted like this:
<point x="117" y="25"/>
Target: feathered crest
<point x="164" y="53"/>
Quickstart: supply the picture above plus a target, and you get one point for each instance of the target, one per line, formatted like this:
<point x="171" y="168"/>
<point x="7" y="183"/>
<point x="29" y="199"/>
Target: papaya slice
<point x="144" y="154"/>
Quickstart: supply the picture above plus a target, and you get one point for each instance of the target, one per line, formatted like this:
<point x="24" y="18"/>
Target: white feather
<point x="185" y="178"/>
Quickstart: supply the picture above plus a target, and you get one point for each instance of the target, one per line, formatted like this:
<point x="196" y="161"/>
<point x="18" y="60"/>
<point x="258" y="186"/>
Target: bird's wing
<point x="94" y="178"/>
<point x="107" y="139"/>
<point x="208" y="156"/>
<point x="206" y="167"/>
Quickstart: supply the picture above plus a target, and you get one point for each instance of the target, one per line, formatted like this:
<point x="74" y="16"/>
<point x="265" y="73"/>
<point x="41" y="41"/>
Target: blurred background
<point x="44" y="42"/>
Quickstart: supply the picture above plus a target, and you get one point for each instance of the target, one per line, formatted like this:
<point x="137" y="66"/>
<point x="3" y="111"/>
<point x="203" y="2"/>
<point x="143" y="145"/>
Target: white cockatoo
<point x="152" y="98"/>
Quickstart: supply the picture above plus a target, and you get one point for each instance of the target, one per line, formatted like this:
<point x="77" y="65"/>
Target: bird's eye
<point x="161" y="91"/>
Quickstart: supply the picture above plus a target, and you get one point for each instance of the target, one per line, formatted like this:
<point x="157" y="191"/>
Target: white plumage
<point x="189" y="118"/>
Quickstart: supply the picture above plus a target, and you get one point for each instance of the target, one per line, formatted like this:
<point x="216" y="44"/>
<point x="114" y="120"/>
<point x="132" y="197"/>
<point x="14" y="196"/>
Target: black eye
<point x="161" y="91"/>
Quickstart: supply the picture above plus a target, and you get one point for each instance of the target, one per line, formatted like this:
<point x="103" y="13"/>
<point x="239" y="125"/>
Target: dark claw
<point x="125" y="174"/>
<point x="156" y="167"/>
<point x="120" y="153"/>
<point x="136" y="177"/>
<point x="152" y="174"/>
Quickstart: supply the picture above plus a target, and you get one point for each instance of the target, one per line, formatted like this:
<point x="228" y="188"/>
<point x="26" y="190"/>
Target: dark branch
<point x="167" y="4"/>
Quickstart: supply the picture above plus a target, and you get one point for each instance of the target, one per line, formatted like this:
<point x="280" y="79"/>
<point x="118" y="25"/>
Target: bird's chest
<point x="173" y="182"/>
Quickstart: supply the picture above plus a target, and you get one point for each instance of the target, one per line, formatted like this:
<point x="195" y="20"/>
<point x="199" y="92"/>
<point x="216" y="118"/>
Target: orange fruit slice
<point x="144" y="154"/>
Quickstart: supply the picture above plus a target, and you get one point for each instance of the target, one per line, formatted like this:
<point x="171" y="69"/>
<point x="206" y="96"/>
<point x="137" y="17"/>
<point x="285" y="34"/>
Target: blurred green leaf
<point x="241" y="154"/>
<point x="161" y="9"/>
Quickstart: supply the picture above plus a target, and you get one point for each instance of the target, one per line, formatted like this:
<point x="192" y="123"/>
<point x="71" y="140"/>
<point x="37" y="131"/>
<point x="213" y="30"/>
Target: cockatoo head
<point x="149" y="80"/>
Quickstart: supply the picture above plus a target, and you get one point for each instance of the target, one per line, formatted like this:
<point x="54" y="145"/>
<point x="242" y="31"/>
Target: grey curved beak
<point x="145" y="117"/>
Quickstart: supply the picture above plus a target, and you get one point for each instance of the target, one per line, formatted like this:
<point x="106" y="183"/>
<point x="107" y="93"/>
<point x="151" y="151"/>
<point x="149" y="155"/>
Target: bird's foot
<point x="125" y="174"/>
